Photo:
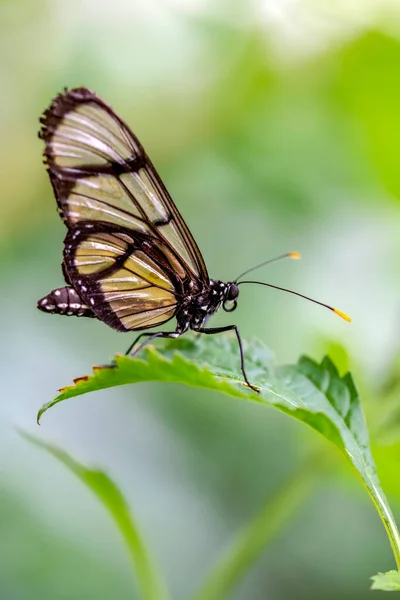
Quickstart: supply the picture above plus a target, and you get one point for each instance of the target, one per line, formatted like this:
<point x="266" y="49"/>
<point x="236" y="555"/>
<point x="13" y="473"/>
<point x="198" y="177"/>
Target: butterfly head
<point x="231" y="293"/>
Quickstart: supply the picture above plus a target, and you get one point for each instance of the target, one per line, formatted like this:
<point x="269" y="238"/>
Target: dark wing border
<point x="89" y="287"/>
<point x="63" y="179"/>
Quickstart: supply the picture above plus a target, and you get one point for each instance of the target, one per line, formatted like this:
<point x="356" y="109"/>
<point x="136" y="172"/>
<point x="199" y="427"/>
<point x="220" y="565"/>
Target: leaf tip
<point x="39" y="415"/>
<point x="386" y="582"/>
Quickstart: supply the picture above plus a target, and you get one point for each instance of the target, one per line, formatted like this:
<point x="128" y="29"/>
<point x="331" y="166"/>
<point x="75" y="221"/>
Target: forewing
<point x="100" y="172"/>
<point x="123" y="285"/>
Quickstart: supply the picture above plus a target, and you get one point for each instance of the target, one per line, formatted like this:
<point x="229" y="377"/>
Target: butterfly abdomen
<point x="64" y="301"/>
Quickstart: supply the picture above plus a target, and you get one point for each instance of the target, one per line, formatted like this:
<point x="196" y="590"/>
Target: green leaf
<point x="311" y="392"/>
<point x="169" y="366"/>
<point x="369" y="86"/>
<point x="387" y="582"/>
<point x="149" y="582"/>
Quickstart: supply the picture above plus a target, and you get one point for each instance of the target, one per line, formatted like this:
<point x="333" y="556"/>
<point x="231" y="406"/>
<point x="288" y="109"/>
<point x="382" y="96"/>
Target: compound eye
<point x="232" y="292"/>
<point x="229" y="305"/>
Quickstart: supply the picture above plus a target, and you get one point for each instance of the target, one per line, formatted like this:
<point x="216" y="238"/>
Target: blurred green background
<point x="275" y="125"/>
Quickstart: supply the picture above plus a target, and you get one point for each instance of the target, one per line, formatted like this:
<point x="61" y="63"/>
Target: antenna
<point x="335" y="310"/>
<point x="294" y="255"/>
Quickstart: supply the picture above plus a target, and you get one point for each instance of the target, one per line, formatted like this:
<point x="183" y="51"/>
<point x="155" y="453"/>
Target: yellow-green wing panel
<point x="123" y="286"/>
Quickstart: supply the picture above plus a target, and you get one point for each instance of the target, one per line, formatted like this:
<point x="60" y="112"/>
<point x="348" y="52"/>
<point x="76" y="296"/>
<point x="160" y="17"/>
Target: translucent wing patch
<point x="100" y="172"/>
<point x="124" y="286"/>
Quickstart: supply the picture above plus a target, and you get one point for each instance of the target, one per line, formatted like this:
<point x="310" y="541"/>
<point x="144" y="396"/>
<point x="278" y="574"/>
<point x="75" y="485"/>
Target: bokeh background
<point x="275" y="125"/>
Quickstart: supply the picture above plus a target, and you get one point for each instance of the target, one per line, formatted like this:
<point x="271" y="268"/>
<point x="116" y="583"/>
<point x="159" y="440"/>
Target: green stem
<point x="380" y="502"/>
<point x="149" y="581"/>
<point x="389" y="523"/>
<point x="252" y="541"/>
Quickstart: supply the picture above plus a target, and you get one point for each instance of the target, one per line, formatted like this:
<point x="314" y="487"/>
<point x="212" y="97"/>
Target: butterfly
<point x="129" y="257"/>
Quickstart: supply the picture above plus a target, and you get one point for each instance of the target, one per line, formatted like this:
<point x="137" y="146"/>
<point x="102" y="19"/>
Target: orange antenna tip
<point x="295" y="255"/>
<point x="342" y="314"/>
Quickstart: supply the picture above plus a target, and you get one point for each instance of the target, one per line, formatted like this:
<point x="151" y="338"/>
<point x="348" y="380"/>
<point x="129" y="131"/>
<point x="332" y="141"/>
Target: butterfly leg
<point x="150" y="338"/>
<point x="212" y="330"/>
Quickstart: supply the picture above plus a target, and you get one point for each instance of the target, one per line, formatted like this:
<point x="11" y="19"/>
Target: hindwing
<point x="125" y="287"/>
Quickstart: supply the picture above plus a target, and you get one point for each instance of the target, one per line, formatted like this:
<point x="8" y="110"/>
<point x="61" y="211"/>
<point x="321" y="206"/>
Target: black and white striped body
<point x="196" y="309"/>
<point x="194" y="312"/>
<point x="64" y="301"/>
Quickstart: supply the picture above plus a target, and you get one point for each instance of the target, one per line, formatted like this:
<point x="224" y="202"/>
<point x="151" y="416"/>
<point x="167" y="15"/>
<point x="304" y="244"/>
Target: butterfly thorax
<point x="197" y="308"/>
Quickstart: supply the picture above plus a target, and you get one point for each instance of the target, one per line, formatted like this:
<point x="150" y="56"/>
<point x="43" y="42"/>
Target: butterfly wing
<point x="126" y="287"/>
<point x="100" y="171"/>
<point x="128" y="251"/>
